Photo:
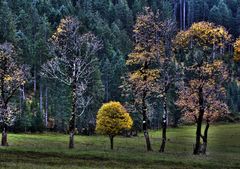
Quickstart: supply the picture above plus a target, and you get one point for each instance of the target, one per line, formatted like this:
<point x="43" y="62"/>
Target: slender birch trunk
<point x="35" y="81"/>
<point x="145" y="128"/>
<point x="164" y="124"/>
<point x="40" y="97"/>
<point x="175" y="11"/>
<point x="184" y="14"/>
<point x="46" y="107"/>
<point x="181" y="14"/>
<point x="72" y="121"/>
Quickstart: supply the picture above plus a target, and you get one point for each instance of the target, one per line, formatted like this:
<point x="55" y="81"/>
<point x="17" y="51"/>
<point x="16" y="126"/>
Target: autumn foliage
<point x="202" y="91"/>
<point x="112" y="118"/>
<point x="204" y="35"/>
<point x="12" y="76"/>
<point x="143" y="74"/>
<point x="237" y="50"/>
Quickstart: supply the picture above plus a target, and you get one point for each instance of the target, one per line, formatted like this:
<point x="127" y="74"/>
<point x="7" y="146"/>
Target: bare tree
<point x="12" y="76"/>
<point x="73" y="63"/>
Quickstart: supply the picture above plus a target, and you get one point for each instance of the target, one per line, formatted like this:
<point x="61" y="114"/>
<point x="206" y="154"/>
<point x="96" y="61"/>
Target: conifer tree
<point x="7" y="25"/>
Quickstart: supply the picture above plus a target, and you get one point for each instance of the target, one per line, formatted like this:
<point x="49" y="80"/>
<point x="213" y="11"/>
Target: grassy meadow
<point x="50" y="151"/>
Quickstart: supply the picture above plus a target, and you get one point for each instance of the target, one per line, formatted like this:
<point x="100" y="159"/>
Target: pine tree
<point x="124" y="13"/>
<point x="7" y="25"/>
<point x="137" y="7"/>
<point x="225" y="14"/>
<point x="238" y="21"/>
<point x="106" y="77"/>
<point x="215" y="15"/>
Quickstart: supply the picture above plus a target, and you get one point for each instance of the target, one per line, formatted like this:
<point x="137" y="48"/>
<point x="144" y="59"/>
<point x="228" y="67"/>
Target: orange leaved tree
<point x="201" y="92"/>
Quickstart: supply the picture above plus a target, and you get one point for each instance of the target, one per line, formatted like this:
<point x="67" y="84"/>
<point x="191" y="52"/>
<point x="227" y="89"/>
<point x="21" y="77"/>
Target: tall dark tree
<point x="7" y="25"/>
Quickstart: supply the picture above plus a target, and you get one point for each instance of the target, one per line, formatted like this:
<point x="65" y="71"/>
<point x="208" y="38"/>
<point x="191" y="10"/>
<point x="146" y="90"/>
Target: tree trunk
<point x="107" y="89"/>
<point x="199" y="122"/>
<point x="41" y="97"/>
<point x="4" y="135"/>
<point x="205" y="137"/>
<point x="71" y="139"/>
<point x="181" y="14"/>
<point x="145" y="130"/>
<point x="192" y="11"/>
<point x="164" y="125"/>
<point x="46" y="107"/>
<point x="21" y="99"/>
<point x="35" y="81"/>
<point x="72" y="121"/>
<point x="175" y="11"/>
<point x="189" y="22"/>
<point x="111" y="141"/>
<point x="184" y="14"/>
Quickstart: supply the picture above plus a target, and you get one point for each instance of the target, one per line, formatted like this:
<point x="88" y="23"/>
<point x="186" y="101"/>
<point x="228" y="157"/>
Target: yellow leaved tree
<point x="237" y="50"/>
<point x="112" y="118"/>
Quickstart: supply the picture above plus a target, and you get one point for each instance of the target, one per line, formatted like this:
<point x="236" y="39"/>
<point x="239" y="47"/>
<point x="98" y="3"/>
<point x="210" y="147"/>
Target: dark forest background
<point x="44" y="103"/>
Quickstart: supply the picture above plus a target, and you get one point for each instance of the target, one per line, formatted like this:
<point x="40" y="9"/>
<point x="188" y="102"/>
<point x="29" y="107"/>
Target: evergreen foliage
<point x="29" y="24"/>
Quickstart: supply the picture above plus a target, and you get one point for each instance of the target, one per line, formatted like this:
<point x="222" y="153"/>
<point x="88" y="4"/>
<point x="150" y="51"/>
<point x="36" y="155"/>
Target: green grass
<point x="49" y="151"/>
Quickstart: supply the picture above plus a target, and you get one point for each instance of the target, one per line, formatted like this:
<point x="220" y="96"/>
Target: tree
<point x="119" y="69"/>
<point x="215" y="15"/>
<point x="153" y="53"/>
<point x="74" y="57"/>
<point x="238" y="21"/>
<point x="202" y="92"/>
<point x="124" y="13"/>
<point x="208" y="96"/>
<point x="137" y="6"/>
<point x="7" y="25"/>
<point x="225" y="14"/>
<point x="237" y="54"/>
<point x="166" y="66"/>
<point x="200" y="10"/>
<point x="143" y="73"/>
<point x="166" y="8"/>
<point x="106" y="77"/>
<point x="112" y="118"/>
<point x="12" y="76"/>
<point x="237" y="50"/>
